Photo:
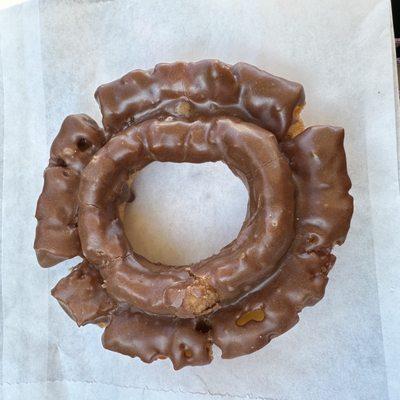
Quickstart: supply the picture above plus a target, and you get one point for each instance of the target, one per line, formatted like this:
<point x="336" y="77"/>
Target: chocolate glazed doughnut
<point x="254" y="288"/>
<point x="251" y="152"/>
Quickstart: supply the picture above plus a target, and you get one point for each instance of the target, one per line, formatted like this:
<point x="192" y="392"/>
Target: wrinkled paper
<point x="53" y="56"/>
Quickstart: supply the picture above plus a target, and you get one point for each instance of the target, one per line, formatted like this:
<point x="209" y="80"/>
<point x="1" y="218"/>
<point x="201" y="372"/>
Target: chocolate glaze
<point x="253" y="290"/>
<point x="323" y="213"/>
<point x="318" y="164"/>
<point x="78" y="140"/>
<point x="266" y="234"/>
<point x="178" y="339"/>
<point x="56" y="232"/>
<point x="209" y="87"/>
<point x="82" y="296"/>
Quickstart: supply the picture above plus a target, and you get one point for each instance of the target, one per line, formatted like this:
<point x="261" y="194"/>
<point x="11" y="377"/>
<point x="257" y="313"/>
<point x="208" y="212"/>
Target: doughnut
<point x="252" y="290"/>
<point x="251" y="152"/>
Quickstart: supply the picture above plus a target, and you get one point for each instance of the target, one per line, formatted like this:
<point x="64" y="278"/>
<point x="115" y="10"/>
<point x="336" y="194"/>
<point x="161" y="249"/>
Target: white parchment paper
<point x="53" y="56"/>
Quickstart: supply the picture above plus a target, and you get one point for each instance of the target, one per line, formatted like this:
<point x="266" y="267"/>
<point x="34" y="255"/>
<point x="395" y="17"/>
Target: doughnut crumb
<point x="297" y="125"/>
<point x="183" y="109"/>
<point x="200" y="297"/>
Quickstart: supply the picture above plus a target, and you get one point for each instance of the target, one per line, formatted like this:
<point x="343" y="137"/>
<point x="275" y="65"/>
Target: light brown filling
<point x="297" y="123"/>
<point x="257" y="315"/>
<point x="183" y="108"/>
<point x="200" y="297"/>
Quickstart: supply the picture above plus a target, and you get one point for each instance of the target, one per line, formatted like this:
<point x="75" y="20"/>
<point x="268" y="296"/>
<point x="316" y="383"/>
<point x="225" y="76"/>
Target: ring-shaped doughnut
<point x="251" y="152"/>
<point x="253" y="290"/>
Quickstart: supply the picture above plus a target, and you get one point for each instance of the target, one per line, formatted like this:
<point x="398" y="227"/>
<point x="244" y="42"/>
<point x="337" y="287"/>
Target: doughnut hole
<point x="183" y="213"/>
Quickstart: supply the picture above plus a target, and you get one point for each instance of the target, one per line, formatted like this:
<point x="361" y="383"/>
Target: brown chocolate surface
<point x="267" y="232"/>
<point x="323" y="213"/>
<point x="57" y="230"/>
<point x="178" y="339"/>
<point x="208" y="88"/>
<point x="82" y="296"/>
<point x="254" y="288"/>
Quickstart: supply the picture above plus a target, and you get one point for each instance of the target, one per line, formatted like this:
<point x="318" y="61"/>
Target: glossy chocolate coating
<point x="323" y="214"/>
<point x="56" y="232"/>
<point x="253" y="290"/>
<point x="318" y="164"/>
<point x="210" y="87"/>
<point x="267" y="232"/>
<point x="129" y="332"/>
<point x="82" y="296"/>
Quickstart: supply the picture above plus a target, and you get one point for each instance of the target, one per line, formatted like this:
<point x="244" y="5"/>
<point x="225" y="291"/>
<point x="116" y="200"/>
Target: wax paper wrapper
<point x="54" y="54"/>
